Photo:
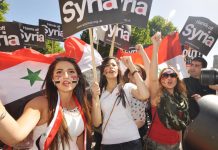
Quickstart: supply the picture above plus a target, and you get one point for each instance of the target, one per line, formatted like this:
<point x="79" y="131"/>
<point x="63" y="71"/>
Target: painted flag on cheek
<point x="170" y="54"/>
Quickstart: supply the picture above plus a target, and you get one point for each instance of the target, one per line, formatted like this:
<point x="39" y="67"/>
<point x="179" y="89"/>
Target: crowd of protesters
<point x="143" y="109"/>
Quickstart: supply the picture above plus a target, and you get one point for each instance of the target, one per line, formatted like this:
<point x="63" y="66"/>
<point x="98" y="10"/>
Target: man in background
<point x="194" y="87"/>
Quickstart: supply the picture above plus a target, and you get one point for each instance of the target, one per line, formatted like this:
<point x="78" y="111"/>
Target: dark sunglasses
<point x="166" y="75"/>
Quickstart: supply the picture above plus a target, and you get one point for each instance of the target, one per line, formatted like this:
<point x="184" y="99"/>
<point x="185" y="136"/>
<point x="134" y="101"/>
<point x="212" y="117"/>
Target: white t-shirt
<point x="121" y="127"/>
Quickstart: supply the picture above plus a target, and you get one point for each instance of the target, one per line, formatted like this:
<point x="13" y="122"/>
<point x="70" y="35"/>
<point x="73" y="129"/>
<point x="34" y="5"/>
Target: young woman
<point x="119" y="130"/>
<point x="58" y="119"/>
<point x="137" y="106"/>
<point x="163" y="135"/>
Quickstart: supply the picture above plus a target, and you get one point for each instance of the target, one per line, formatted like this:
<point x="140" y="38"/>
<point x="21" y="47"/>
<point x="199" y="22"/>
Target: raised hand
<point x="127" y="61"/>
<point x="156" y="39"/>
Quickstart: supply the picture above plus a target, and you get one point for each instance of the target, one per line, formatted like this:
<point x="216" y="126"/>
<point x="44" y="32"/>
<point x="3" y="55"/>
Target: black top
<point x="194" y="86"/>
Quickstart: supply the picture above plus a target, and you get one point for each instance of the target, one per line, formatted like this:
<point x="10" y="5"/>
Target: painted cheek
<point x="74" y="77"/>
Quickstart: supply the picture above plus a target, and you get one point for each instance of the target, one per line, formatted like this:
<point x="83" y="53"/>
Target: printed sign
<point x="53" y="30"/>
<point x="200" y="34"/>
<point x="77" y="15"/>
<point x="31" y="36"/>
<point x="122" y="36"/>
<point x="10" y="38"/>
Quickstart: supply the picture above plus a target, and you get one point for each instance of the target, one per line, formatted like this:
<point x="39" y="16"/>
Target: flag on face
<point x="170" y="54"/>
<point x="22" y="72"/>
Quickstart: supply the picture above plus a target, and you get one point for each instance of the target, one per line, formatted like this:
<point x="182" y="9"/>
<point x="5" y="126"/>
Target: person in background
<point x="60" y="118"/>
<point x="119" y="131"/>
<point x="194" y="87"/>
<point x="165" y="91"/>
<point x="137" y="107"/>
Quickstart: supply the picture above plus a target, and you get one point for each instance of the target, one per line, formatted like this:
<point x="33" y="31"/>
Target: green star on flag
<point x="32" y="76"/>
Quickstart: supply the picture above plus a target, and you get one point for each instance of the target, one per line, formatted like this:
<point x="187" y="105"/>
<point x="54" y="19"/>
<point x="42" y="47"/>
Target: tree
<point x="50" y="47"/>
<point x="158" y="23"/>
<point x="4" y="7"/>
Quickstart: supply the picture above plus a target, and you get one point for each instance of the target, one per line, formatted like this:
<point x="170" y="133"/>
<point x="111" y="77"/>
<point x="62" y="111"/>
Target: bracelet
<point x="134" y="72"/>
<point x="2" y="116"/>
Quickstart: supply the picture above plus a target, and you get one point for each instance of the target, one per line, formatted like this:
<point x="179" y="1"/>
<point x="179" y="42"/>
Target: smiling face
<point x="65" y="76"/>
<point x="168" y="79"/>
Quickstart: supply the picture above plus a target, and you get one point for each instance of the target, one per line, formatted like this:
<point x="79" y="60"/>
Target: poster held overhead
<point x="77" y="15"/>
<point x="53" y="30"/>
<point x="10" y="37"/>
<point x="199" y="33"/>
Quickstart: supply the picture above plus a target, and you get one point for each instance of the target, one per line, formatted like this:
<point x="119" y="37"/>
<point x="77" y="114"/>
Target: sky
<point x="177" y="11"/>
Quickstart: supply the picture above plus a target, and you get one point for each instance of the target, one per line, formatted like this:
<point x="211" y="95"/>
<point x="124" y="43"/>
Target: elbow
<point x="97" y="123"/>
<point x="13" y="141"/>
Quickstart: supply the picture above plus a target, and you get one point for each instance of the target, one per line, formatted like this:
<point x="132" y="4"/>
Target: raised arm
<point x="153" y="73"/>
<point x="141" y="92"/>
<point x="12" y="131"/>
<point x="96" y="108"/>
<point x="146" y="61"/>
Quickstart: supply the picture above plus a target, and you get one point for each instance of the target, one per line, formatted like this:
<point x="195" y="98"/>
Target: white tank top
<point x="75" y="128"/>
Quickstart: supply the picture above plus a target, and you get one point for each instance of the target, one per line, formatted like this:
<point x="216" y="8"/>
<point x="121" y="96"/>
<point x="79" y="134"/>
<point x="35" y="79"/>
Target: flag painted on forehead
<point x="170" y="54"/>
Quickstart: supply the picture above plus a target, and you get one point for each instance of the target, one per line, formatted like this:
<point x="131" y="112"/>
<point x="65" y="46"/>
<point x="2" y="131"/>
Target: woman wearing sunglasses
<point x="167" y="95"/>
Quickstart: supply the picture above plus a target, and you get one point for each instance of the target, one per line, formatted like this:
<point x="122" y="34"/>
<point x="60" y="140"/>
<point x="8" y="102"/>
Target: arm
<point x="12" y="131"/>
<point x="153" y="73"/>
<point x="141" y="92"/>
<point x="96" y="108"/>
<point x="80" y="142"/>
<point x="214" y="87"/>
<point x="146" y="60"/>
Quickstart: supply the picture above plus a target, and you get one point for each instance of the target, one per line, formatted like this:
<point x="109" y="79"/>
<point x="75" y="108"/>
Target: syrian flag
<point x="22" y="72"/>
<point x="170" y="54"/>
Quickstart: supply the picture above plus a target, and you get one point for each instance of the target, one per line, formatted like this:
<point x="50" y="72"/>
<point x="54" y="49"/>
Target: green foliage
<point x="158" y="23"/>
<point x="4" y="7"/>
<point x="139" y="35"/>
<point x="50" y="47"/>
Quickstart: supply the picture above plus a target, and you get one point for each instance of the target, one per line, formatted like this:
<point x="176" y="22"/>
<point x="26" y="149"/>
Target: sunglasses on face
<point x="166" y="75"/>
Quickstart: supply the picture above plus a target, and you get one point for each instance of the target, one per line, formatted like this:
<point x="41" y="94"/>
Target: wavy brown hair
<point x="52" y="97"/>
<point x="180" y="85"/>
<point x="125" y="76"/>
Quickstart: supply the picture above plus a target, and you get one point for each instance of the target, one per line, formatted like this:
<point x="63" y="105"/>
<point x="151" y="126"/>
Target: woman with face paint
<point x="60" y="118"/>
<point x="164" y="133"/>
<point x="119" y="131"/>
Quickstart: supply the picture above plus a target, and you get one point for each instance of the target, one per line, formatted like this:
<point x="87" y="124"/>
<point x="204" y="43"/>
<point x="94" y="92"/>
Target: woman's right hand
<point x="95" y="89"/>
<point x="156" y="39"/>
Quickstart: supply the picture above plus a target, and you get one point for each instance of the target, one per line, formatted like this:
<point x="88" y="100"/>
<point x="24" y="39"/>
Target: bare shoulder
<point x="39" y="103"/>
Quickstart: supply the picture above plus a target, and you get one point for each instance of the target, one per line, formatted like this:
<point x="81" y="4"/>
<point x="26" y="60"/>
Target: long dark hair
<point x="103" y="81"/>
<point x="52" y="97"/>
<point x="126" y="73"/>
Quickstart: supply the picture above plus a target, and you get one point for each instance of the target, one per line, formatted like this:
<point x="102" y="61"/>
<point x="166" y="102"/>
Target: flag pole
<point x="113" y="40"/>
<point x="93" y="56"/>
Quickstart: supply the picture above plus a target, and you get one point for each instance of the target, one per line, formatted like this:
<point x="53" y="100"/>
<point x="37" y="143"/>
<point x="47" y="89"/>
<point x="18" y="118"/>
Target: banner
<point x="136" y="12"/>
<point x="77" y="15"/>
<point x="122" y="35"/>
<point x="10" y="38"/>
<point x="199" y="33"/>
<point x="53" y="30"/>
<point x="31" y="36"/>
<point x="170" y="54"/>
